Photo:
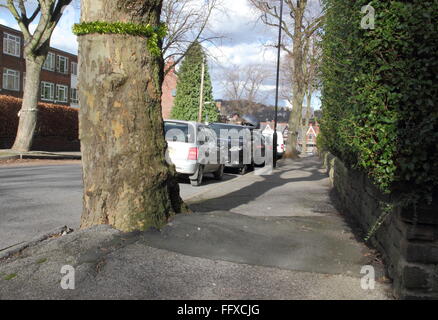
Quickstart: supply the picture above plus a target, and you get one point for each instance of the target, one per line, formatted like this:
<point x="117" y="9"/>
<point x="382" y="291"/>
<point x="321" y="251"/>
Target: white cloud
<point x="9" y="23"/>
<point x="244" y="43"/>
<point x="62" y="37"/>
<point x="238" y="23"/>
<point x="243" y="54"/>
<point x="267" y="87"/>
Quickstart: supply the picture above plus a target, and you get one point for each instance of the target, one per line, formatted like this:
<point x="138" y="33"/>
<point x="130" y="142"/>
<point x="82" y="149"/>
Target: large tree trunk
<point x="306" y="124"/>
<point x="294" y="124"/>
<point x="127" y="182"/>
<point x="298" y="85"/>
<point x="28" y="113"/>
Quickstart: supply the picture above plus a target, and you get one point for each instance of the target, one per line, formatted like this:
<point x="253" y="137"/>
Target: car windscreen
<point x="179" y="131"/>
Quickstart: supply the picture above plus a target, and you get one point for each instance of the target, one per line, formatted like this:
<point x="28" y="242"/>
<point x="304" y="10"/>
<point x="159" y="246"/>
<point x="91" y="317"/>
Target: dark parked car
<point x="240" y="142"/>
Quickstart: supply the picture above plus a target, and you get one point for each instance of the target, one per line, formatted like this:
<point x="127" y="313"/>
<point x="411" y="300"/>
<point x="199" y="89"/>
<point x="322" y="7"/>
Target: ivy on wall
<point x="380" y="90"/>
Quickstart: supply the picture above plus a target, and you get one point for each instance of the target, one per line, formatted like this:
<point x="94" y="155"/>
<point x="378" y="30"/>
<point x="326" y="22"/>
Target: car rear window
<point x="217" y="128"/>
<point x="178" y="131"/>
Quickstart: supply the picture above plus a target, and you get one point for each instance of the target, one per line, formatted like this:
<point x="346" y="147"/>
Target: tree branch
<point x="187" y="23"/>
<point x="24" y="28"/>
<point x="34" y="14"/>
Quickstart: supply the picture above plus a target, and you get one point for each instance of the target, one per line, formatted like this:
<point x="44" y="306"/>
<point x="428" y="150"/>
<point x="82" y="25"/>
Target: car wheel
<point x="244" y="170"/>
<point x="197" y="182"/>
<point x="219" y="173"/>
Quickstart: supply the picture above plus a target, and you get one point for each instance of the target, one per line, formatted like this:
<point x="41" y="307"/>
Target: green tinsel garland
<point x="154" y="34"/>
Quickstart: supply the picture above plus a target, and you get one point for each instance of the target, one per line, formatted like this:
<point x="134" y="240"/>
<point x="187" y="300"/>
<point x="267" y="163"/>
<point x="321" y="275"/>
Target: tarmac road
<point x="35" y="199"/>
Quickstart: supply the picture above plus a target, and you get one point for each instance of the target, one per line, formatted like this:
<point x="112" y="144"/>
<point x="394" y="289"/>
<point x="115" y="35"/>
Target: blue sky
<point x="242" y="43"/>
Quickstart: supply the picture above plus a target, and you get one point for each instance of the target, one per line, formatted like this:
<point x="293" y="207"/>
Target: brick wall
<point x="169" y="89"/>
<point x="18" y="64"/>
<point x="407" y="239"/>
<point x="11" y="62"/>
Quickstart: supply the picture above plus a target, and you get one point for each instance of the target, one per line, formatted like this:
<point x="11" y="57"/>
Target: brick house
<point x="169" y="90"/>
<point x="310" y="137"/>
<point x="58" y="76"/>
<point x="268" y="127"/>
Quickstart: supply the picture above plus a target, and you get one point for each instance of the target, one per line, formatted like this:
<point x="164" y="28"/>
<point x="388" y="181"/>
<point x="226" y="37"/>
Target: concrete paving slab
<point x="112" y="265"/>
<point x="313" y="244"/>
<point x="296" y="188"/>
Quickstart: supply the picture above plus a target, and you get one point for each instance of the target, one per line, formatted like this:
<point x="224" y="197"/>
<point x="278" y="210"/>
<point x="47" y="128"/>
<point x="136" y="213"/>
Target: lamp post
<point x="206" y="116"/>
<point x="201" y="91"/>
<point x="274" y="142"/>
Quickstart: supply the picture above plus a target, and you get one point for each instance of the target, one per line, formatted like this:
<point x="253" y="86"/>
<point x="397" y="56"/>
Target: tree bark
<point x="29" y="108"/>
<point x="306" y="124"/>
<point x="127" y="182"/>
<point x="294" y="124"/>
<point x="298" y="85"/>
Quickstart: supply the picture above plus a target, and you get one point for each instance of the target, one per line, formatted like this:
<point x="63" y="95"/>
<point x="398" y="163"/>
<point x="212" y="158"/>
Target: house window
<point x="11" y="45"/>
<point x="47" y="91"/>
<point x="74" y="95"/>
<point x="61" y="93"/>
<point x="62" y="65"/>
<point x="74" y="68"/>
<point x="49" y="64"/>
<point x="11" y="79"/>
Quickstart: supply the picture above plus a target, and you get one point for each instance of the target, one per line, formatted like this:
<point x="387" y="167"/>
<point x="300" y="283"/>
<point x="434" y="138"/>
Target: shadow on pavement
<point x="251" y="192"/>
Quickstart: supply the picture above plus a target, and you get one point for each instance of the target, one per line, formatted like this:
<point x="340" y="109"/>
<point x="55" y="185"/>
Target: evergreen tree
<point x="188" y="89"/>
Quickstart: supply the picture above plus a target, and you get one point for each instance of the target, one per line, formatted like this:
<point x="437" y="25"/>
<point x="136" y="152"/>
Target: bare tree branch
<point x="243" y="86"/>
<point x="22" y="9"/>
<point x="187" y="21"/>
<point x="34" y="14"/>
<point x="300" y="23"/>
<point x="18" y="17"/>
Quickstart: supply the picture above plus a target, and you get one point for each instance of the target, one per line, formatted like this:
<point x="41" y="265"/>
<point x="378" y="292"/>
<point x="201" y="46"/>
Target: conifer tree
<point x="188" y="88"/>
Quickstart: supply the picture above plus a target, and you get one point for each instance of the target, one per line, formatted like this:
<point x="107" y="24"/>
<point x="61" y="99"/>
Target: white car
<point x="281" y="146"/>
<point x="185" y="140"/>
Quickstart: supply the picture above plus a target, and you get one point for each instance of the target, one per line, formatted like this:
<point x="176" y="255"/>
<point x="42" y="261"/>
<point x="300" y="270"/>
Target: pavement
<point x="38" y="196"/>
<point x="274" y="236"/>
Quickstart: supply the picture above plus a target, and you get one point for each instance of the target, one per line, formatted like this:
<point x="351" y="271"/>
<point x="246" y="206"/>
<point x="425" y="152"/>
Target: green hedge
<point x="53" y="120"/>
<point x="380" y="89"/>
